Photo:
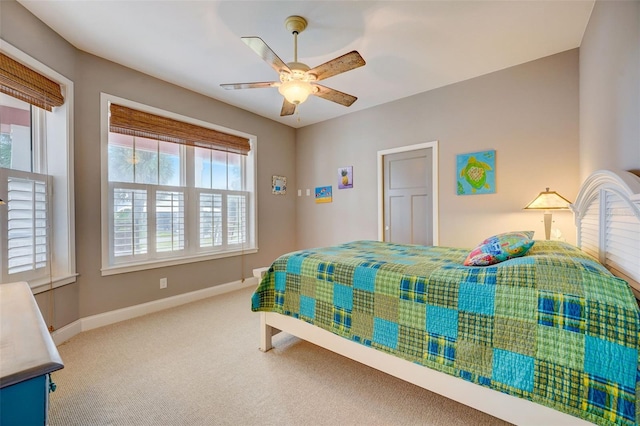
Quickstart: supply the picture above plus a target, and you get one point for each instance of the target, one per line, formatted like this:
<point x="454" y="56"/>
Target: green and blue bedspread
<point x="554" y="326"/>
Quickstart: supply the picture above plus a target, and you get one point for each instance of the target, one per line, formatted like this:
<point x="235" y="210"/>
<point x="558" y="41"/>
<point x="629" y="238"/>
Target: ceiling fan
<point x="297" y="80"/>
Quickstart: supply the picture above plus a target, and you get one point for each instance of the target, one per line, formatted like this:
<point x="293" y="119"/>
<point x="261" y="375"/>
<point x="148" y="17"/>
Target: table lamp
<point x="548" y="200"/>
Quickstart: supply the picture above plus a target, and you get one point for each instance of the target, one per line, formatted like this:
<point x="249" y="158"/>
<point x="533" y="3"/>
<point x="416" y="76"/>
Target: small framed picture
<point x="345" y="177"/>
<point x="323" y="194"/>
<point x="279" y="185"/>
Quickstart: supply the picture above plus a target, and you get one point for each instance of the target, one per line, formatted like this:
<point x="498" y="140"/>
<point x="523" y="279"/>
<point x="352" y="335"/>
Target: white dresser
<point x="27" y="357"/>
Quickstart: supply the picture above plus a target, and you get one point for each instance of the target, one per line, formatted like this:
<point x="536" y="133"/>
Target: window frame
<point x="59" y="165"/>
<point x="110" y="268"/>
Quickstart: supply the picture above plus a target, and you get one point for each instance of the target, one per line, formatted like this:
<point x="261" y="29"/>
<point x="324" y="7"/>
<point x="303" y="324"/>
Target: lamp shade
<point x="296" y="91"/>
<point x="549" y="200"/>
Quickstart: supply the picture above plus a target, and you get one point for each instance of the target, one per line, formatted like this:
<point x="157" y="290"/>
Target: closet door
<point x="408" y="202"/>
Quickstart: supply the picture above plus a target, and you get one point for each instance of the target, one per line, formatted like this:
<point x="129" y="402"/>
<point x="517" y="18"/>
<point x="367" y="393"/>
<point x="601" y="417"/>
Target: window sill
<point x="40" y="286"/>
<point x="142" y="266"/>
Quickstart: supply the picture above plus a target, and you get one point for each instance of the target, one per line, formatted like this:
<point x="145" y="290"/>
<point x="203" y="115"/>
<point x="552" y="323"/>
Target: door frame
<point x="434" y="182"/>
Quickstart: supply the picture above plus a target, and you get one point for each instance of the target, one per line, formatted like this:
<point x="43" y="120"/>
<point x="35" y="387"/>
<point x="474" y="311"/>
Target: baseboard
<point x="65" y="333"/>
<point x="100" y="320"/>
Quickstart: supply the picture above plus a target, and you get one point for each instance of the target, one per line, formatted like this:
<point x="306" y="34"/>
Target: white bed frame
<point x="607" y="212"/>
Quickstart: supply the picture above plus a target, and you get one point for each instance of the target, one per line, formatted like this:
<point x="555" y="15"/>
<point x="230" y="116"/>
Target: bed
<point x="550" y="337"/>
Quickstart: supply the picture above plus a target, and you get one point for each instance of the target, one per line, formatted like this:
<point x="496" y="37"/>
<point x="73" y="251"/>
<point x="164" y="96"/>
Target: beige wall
<point x="527" y="113"/>
<point x="610" y="88"/>
<point x="93" y="294"/>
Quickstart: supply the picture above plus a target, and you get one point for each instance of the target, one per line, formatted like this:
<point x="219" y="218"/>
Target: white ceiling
<point x="409" y="46"/>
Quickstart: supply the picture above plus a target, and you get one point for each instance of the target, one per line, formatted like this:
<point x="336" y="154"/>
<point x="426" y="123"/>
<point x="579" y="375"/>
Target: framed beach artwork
<point x="323" y="194"/>
<point x="476" y="173"/>
<point x="345" y="177"/>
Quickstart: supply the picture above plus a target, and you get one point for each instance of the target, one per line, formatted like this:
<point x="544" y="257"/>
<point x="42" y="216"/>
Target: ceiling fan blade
<point x="287" y="108"/>
<point x="265" y="52"/>
<point x="341" y="64"/>
<point x="334" y="95"/>
<point x="233" y="86"/>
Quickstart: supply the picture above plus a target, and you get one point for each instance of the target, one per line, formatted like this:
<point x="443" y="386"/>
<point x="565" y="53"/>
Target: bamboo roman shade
<point x="22" y="82"/>
<point x="132" y="122"/>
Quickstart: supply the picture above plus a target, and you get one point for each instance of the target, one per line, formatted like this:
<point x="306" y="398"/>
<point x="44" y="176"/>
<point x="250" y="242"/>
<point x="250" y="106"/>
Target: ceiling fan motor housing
<point x="299" y="71"/>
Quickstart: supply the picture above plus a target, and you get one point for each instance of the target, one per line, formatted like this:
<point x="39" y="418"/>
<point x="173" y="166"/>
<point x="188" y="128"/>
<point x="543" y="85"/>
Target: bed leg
<point x="266" y="333"/>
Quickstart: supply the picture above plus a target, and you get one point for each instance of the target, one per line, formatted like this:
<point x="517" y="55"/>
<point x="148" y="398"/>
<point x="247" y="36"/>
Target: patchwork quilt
<point x="554" y="326"/>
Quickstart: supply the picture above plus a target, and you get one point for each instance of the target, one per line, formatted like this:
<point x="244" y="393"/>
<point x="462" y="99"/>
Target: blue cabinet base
<point x="25" y="403"/>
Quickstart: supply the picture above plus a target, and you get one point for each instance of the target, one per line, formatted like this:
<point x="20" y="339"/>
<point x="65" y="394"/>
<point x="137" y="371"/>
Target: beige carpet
<point x="199" y="364"/>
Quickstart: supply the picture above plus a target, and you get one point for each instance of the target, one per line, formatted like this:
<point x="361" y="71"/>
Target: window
<point x="176" y="189"/>
<point x="35" y="163"/>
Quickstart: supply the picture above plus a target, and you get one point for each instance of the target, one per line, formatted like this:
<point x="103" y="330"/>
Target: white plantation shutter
<point x="26" y="242"/>
<point x="169" y="221"/>
<point x="210" y="220"/>
<point x="149" y="221"/>
<point x="27" y="224"/>
<point x="236" y="219"/>
<point x="129" y="222"/>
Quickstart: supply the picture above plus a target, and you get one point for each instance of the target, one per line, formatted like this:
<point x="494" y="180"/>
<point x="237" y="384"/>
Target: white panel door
<point x="407" y="197"/>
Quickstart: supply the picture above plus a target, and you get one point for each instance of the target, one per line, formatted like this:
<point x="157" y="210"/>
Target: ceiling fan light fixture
<point x="297" y="80"/>
<point x="296" y="91"/>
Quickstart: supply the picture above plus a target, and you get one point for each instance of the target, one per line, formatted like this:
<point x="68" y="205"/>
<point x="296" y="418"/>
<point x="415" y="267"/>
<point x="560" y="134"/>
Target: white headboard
<point x="607" y="214"/>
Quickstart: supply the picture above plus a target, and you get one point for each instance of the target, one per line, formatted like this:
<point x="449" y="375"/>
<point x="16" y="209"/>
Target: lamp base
<point x="547" y="225"/>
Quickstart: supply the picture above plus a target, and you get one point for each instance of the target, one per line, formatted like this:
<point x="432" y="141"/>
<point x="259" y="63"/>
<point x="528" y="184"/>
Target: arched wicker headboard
<point x="607" y="214"/>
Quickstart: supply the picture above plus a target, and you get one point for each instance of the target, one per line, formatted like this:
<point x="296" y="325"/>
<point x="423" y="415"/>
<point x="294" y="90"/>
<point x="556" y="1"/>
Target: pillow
<point x="499" y="248"/>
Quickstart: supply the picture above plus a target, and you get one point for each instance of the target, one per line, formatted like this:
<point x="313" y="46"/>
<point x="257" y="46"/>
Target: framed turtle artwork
<point x="476" y="173"/>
